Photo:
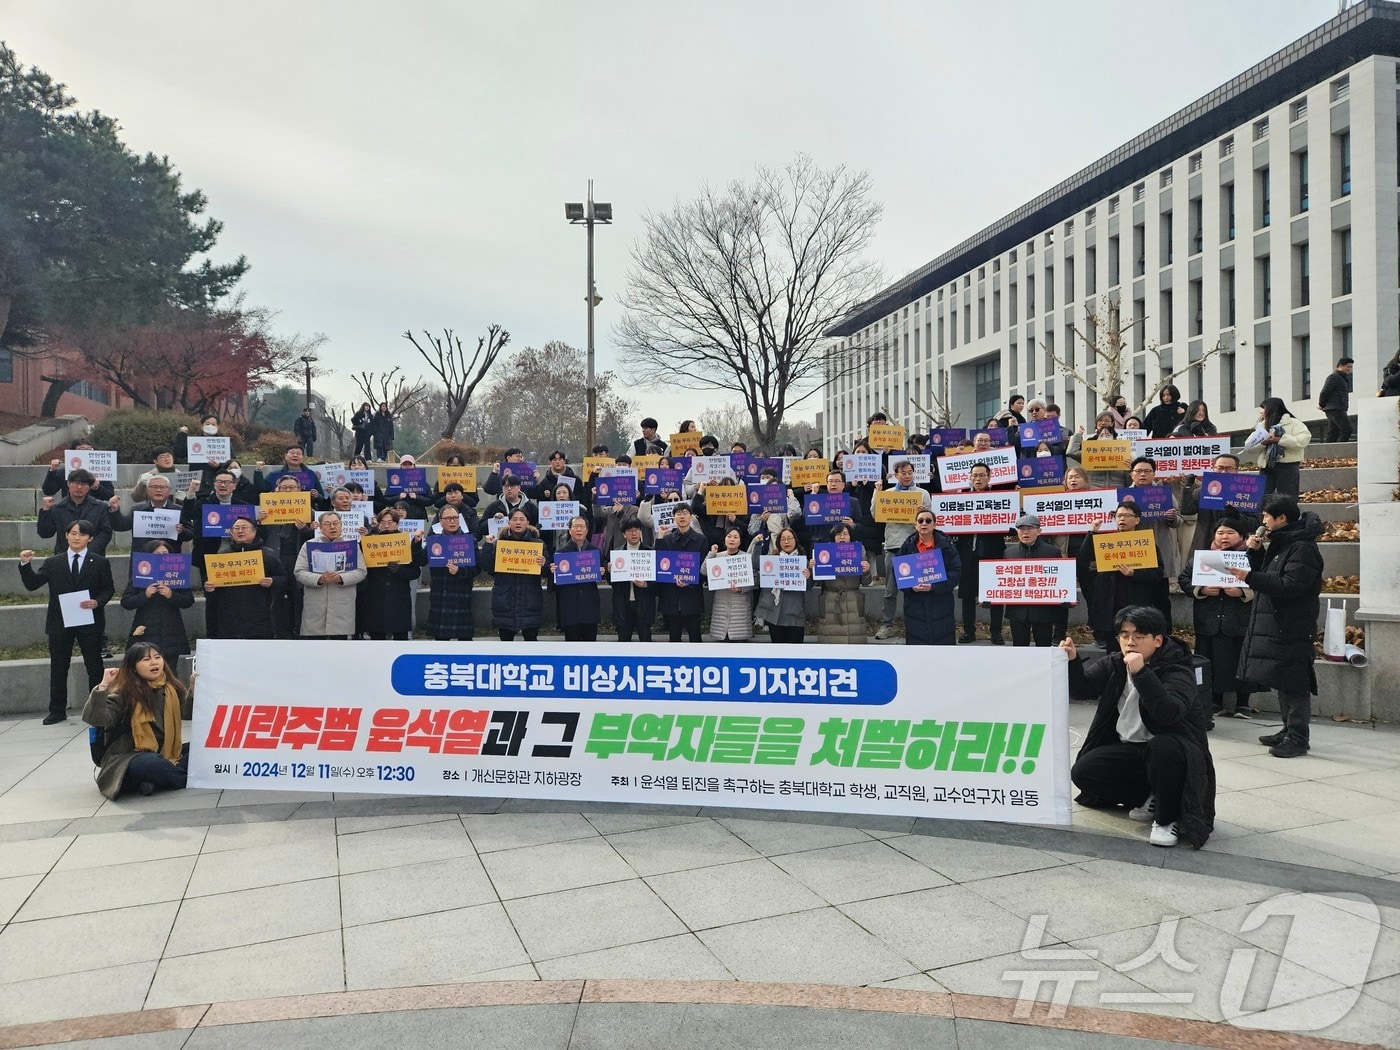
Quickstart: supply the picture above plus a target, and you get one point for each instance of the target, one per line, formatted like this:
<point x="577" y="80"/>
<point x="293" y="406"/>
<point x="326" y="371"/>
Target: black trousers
<point x="89" y="641"/>
<point x="688" y="622"/>
<point x="1023" y="631"/>
<point x="630" y="616"/>
<point x="787" y="635"/>
<point x="581" y="632"/>
<point x="1125" y="774"/>
<point x="362" y="446"/>
<point x="530" y="634"/>
<point x="1338" y="426"/>
<point x="969" y="617"/>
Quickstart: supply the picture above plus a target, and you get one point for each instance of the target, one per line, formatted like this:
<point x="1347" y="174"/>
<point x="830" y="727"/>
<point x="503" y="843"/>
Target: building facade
<point x="1251" y="239"/>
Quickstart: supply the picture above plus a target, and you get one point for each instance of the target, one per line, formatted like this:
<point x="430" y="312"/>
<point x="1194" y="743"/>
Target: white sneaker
<point x="884" y="631"/>
<point x="1144" y="812"/>
<point x="1163" y="834"/>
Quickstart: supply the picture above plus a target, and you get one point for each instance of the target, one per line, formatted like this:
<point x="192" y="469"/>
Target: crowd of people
<point x="1255" y="636"/>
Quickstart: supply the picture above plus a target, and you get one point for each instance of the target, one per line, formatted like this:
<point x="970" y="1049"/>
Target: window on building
<point x="1139" y="311"/>
<point x="1297" y="110"/>
<point x="1194" y="165"/>
<point x="996" y="266"/>
<point x="7" y="366"/>
<point x="92" y="392"/>
<point x="1114" y="278"/>
<point x="1049" y="287"/>
<point x="1194" y="307"/>
<point x="1263" y="372"/>
<point x="1139" y="250"/>
<point x="1030" y="296"/>
<point x="1228" y="395"/>
<point x="1165" y="230"/>
<point x="1341" y="163"/>
<point x="1089" y="217"/>
<point x="986" y="382"/>
<point x="1300" y="181"/>
<point x="1164" y="320"/>
<point x="1227" y="212"/>
<point x="1195" y="220"/>
<point x="967" y="323"/>
<point x="1263" y="287"/>
<point x="1030" y="360"/>
<point x="1261" y="128"/>
<point x="1091" y="271"/>
<point x="1302" y="367"/>
<point x="981" y="273"/>
<point x="1302" y="290"/>
<point x="906" y="349"/>
<point x="1341" y="245"/>
<point x="1139" y="190"/>
<point x="981" y="317"/>
<point x="1165" y="178"/>
<point x="1011" y="315"/>
<point x="1113" y="206"/>
<point x="1227" y="298"/>
<point x="1050" y="238"/>
<point x="953" y="329"/>
<point x="1342" y="345"/>
<point x="940" y="335"/>
<point x="1049" y="354"/>
<point x="967" y="280"/>
<point x="1341" y="88"/>
<point x="1012" y="255"/>
<point x="996" y="310"/>
<point x="1014" y="358"/>
<point x="1069" y="227"/>
<point x="916" y="343"/>
<point x="1227" y="146"/>
<point x="1262" y="208"/>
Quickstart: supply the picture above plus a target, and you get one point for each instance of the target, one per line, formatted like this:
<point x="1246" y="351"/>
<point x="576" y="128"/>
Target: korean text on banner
<point x="101" y="465"/>
<point x="555" y="515"/>
<point x="1040" y="472"/>
<point x="976" y="512"/>
<point x="826" y="508"/>
<point x="285" y="508"/>
<point x="173" y="570"/>
<point x="893" y="505"/>
<point x="689" y="442"/>
<point x="1244" y="492"/>
<point x="845" y="730"/>
<point x="446" y="549"/>
<point x="155" y="524"/>
<point x="401" y="481"/>
<point x="1177" y="457"/>
<point x="217" y="518"/>
<point x="920" y="569"/>
<point x="1154" y="501"/>
<point x="1035" y="431"/>
<point x="1025" y="582"/>
<point x="1105" y="455"/>
<point x="1125" y="550"/>
<point x="921" y="464"/>
<point x="999" y="436"/>
<point x="1208" y="568"/>
<point x="241" y="569"/>
<point x="955" y="472"/>
<point x="521" y="557"/>
<point x="726" y="499"/>
<point x="1069" y="512"/>
<point x="707" y="468"/>
<point x="679" y="567"/>
<point x="830" y="560"/>
<point x="888" y="437"/>
<point x="658" y="479"/>
<point x="386" y="548"/>
<point x="209" y="449"/>
<point x="861" y="466"/>
<point x="464" y="476"/>
<point x="722" y="570"/>
<point x="572" y="567"/>
<point x="947" y="437"/>
<point x="610" y="491"/>
<point x="786" y="572"/>
<point x="332" y="556"/>
<point x="768" y="498"/>
<point x="596" y="463"/>
<point x="625" y="566"/>
<point x="804" y="472"/>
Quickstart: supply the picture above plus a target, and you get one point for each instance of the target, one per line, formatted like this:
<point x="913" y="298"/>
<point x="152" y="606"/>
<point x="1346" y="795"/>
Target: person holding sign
<point x="511" y="499"/>
<point x="286" y="539"/>
<point x="235" y="611"/>
<point x="899" y="534"/>
<point x="843" y="614"/>
<point x="384" y="602"/>
<point x="1278" y="444"/>
<point x="1031" y="623"/>
<point x="973" y="549"/>
<point x="784" y="609"/>
<point x="731" y="608"/>
<point x="57" y="518"/>
<point x="80" y="585"/>
<point x="450" y="615"/>
<point x="159" y="508"/>
<point x="577" y="606"/>
<point x="682" y="604"/>
<point x="517" y="602"/>
<point x="157" y="606"/>
<point x="455" y="495"/>
<point x="328" y="602"/>
<point x="136" y="711"/>
<point x="633" y="601"/>
<point x="1146" y="748"/>
<point x="722" y="505"/>
<point x="495" y="484"/>
<point x="559" y="469"/>
<point x="55" y="482"/>
<point x="929" y="616"/>
<point x="1220" y="615"/>
<point x="1286" y="576"/>
<point x="1110" y="591"/>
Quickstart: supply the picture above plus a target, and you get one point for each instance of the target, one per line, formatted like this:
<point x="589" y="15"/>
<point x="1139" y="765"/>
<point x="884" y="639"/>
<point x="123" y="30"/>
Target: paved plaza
<point x="205" y="918"/>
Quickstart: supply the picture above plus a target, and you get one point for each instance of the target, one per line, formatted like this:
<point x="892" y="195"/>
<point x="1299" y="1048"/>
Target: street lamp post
<point x="594" y="212"/>
<point x="306" y="360"/>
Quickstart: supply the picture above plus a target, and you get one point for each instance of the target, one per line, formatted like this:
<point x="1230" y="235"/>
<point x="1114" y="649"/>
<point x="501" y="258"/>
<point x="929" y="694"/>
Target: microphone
<point x="1261" y="533"/>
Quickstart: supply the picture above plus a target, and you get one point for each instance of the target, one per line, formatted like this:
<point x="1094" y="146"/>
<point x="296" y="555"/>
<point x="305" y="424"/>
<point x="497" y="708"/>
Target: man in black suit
<point x="76" y="569"/>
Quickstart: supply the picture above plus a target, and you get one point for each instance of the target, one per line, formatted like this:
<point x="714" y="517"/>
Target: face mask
<point x="211" y="430"/>
<point x="236" y="472"/>
<point x="1041" y="454"/>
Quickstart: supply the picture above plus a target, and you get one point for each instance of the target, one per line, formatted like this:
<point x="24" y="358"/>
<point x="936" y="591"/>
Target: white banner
<point x="154" y="524"/>
<point x="101" y="465"/>
<point x="1050" y="581"/>
<point x="783" y="571"/>
<point x="1208" y="568"/>
<point x="1063" y="512"/>
<point x="209" y="449"/>
<point x="955" y="471"/>
<point x="663" y="518"/>
<point x="861" y="466"/>
<point x="625" y="566"/>
<point x="332" y="475"/>
<point x="723" y="569"/>
<point x="707" y="468"/>
<point x="1177" y="457"/>
<point x="922" y="468"/>
<point x="976" y="512"/>
<point x="848" y="730"/>
<point x="556" y="514"/>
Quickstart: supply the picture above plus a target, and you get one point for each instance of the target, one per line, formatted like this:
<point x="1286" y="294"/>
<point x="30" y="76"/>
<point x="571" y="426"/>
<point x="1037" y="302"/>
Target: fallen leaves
<point x="1341" y="585"/>
<point x="1340" y="532"/>
<point x="1329" y="495"/>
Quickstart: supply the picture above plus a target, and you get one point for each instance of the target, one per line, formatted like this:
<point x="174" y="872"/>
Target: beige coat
<point x="327" y="611"/>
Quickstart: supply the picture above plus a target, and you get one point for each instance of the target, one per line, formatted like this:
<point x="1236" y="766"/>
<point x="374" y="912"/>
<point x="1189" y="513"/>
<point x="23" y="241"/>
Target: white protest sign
<point x="976" y="512"/>
<point x="209" y="449"/>
<point x="332" y="475"/>
<point x="417" y="526"/>
<point x="861" y="466"/>
<point x="725" y="569"/>
<point x="101" y="465"/>
<point x="1050" y="581"/>
<point x="783" y="571"/>
<point x="955" y="472"/>
<point x="922" y="466"/>
<point x="1177" y="457"/>
<point x="663" y="518"/>
<point x="154" y="524"/>
<point x="495" y="525"/>
<point x="183" y="478"/>
<point x="626" y="566"/>
<point x="365" y="509"/>
<point x="1208" y="568"/>
<point x="555" y="515"/>
<point x="707" y="468"/>
<point x="1067" y="512"/>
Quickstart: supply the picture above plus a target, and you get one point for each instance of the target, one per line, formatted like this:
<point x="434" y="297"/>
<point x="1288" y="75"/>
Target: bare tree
<point x="392" y="389"/>
<point x="1111" y="357"/>
<point x="940" y="411"/>
<point x="735" y="292"/>
<point x="728" y="422"/>
<point x="460" y="375"/>
<point x="334" y="419"/>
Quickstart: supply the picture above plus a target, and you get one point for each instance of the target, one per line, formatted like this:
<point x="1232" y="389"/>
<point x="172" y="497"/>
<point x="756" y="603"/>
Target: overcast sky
<point x="404" y="165"/>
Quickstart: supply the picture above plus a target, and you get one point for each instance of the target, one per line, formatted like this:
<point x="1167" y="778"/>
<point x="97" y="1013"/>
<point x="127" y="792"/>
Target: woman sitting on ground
<point x="138" y="708"/>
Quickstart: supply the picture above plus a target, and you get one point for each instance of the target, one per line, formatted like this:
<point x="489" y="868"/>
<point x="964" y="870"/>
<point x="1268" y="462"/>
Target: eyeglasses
<point x="925" y="521"/>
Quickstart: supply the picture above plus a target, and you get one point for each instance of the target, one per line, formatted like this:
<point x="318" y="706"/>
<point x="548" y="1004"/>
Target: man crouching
<point x="1147" y="747"/>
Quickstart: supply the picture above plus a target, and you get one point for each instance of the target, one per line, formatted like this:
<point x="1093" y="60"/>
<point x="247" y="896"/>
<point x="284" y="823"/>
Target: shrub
<point x="444" y="450"/>
<point x="133" y="432"/>
<point x="270" y="447"/>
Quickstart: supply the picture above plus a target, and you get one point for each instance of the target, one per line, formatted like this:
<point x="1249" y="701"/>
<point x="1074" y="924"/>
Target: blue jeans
<point x="151" y="768"/>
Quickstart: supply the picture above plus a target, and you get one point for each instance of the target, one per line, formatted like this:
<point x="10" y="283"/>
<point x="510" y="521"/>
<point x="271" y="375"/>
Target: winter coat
<point x="1390" y="382"/>
<point x="384" y="602"/>
<point x="104" y="710"/>
<point x="731" y="612"/>
<point x="158" y="619"/>
<point x="782" y="608"/>
<point x="1286" y="577"/>
<point x="55" y="482"/>
<point x="95" y="577"/>
<point x="576" y="603"/>
<point x="1292" y="443"/>
<point x="361" y="422"/>
<point x="1336" y="392"/>
<point x="57" y="520"/>
<point x="381" y="428"/>
<point x="682" y="601"/>
<point x="327" y="610"/>
<point x="126" y="522"/>
<point x="450" y="613"/>
<point x="929" y="617"/>
<point x="843" y="616"/>
<point x="517" y="600"/>
<point x="1164" y="418"/>
<point x="500" y="506"/>
<point x="1216" y="614"/>
<point x="1108" y="592"/>
<point x="1040" y="550"/>
<point x="304" y="428"/>
<point x="973" y="548"/>
<point x="1169" y="705"/>
<point x="246" y="611"/>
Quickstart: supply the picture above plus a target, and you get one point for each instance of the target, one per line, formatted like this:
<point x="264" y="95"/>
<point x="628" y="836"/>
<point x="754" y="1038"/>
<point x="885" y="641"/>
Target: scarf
<point x="143" y="732"/>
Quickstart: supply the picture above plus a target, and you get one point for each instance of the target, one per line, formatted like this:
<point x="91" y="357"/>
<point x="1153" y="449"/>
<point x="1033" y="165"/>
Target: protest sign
<point x="386" y="548"/>
<point x="524" y="470"/>
<point x="1035" y="431"/>
<point x="209" y="449"/>
<point x="678" y="567"/>
<point x="183" y="479"/>
<point x="101" y="465"/>
<point x="285" y="508"/>
<point x="625" y="566"/>
<point x="999" y="436"/>
<point x="365" y="479"/>
<point x="1208" y="568"/>
<point x="861" y="466"/>
<point x="786" y="572"/>
<point x="1125" y="550"/>
<point x="1070" y="512"/>
<point x="976" y="512"/>
<point x="332" y="556"/>
<point x="415" y="527"/>
<point x="947" y="437"/>
<point x="446" y="549"/>
<point x="804" y="472"/>
<point x="331" y="475"/>
<point x="1038" y="472"/>
<point x="1177" y="457"/>
<point x="830" y="560"/>
<point x="955" y="471"/>
<point x="1105" y="455"/>
<point x="364" y="509"/>
<point x="659" y="479"/>
<point x="1153" y="500"/>
<point x="641" y="464"/>
<point x="406" y="481"/>
<point x="663" y="517"/>
<point x="610" y="491"/>
<point x="725" y="499"/>
<point x="573" y="567"/>
<point x="887" y="437"/>
<point x="241" y="569"/>
<point x="464" y="476"/>
<point x="173" y="570"/>
<point x="708" y="468"/>
<point x="771" y="498"/>
<point x="521" y="557"/>
<point x="897" y="506"/>
<point x="826" y="508"/>
<point x="555" y="515"/>
<point x="155" y="524"/>
<point x="218" y="518"/>
<point x="684" y="443"/>
<point x="1024" y="582"/>
<point x="598" y="464"/>
<point x="1244" y="492"/>
<point x="725" y="569"/>
<point x="921" y="464"/>
<point x="918" y="570"/>
<point x="737" y="725"/>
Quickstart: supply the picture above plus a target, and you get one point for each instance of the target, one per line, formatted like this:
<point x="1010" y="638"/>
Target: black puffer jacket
<point x="1167" y="700"/>
<point x="1217" y="614"/>
<point x="1286" y="577"/>
<point x="929" y="616"/>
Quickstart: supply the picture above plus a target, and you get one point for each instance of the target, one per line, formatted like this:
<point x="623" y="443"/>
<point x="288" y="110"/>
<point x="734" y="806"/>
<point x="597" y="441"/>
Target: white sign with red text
<point x="972" y="512"/>
<point x="1050" y="581"/>
<point x="1065" y="512"/>
<point x="955" y="472"/>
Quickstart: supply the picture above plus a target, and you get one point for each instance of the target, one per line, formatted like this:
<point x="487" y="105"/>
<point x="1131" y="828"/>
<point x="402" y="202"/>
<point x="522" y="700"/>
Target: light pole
<point x="588" y="215"/>
<point x="306" y="360"/>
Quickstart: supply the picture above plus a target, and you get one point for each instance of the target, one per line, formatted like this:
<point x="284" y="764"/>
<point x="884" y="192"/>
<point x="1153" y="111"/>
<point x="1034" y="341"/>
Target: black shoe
<point x="146" y="788"/>
<point x="53" y="720"/>
<point x="997" y="640"/>
<point x="1272" y="739"/>
<point x="965" y="638"/>
<point x="1289" y="748"/>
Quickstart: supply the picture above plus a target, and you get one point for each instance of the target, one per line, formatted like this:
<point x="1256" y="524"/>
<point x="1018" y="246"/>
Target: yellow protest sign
<point x="242" y="569"/>
<point x="592" y="463"/>
<point x="687" y="444"/>
<point x="891" y="505"/>
<point x="1125" y="550"/>
<point x="803" y="472"/>
<point x="1106" y="455"/>
<point x="386" y="548"/>
<point x="464" y="476"/>
<point x="726" y="499"/>
<point x="519" y="556"/>
<point x="285" y="508"/>
<point x="645" y="463"/>
<point x="886" y="436"/>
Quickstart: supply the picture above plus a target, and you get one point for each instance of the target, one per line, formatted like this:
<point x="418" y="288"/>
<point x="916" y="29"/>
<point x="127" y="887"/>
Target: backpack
<point x="99" y="740"/>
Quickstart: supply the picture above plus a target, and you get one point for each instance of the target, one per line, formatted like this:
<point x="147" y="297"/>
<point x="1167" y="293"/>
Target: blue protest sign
<point x="659" y="479"/>
<point x="403" y="481"/>
<point x="613" y="490"/>
<point x="1242" y="491"/>
<point x="1038" y="430"/>
<point x="767" y="497"/>
<point x="1037" y="472"/>
<point x="173" y="570"/>
<point x="577" y="567"/>
<point x="446" y="549"/>
<point x="678" y="567"/>
<point x="217" y="519"/>
<point x="826" y="508"/>
<point x="1153" y="500"/>
<point x="915" y="570"/>
<point x="337" y="556"/>
<point x="831" y="560"/>
<point x="947" y="437"/>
